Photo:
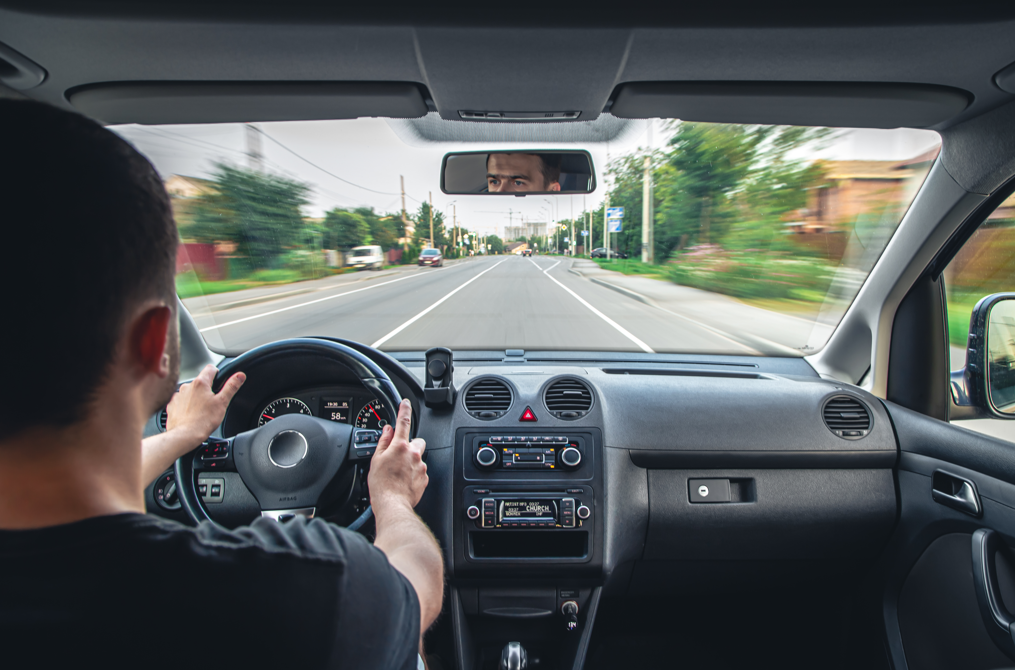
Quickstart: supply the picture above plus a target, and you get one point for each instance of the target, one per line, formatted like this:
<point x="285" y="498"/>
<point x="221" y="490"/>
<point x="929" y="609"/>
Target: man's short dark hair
<point x="89" y="235"/>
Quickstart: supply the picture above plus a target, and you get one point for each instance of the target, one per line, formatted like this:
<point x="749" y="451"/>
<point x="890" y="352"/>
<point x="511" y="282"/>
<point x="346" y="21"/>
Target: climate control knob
<point x="472" y="512"/>
<point x="486" y="457"/>
<point x="571" y="457"/>
<point x="583" y="512"/>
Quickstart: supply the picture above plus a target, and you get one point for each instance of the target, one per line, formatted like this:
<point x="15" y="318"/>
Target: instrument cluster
<point x="342" y="404"/>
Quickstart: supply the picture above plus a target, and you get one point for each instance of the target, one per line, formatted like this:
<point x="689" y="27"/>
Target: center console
<point x="527" y="542"/>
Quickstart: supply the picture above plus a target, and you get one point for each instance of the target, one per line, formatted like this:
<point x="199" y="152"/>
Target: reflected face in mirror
<point x="511" y="173"/>
<point x="1001" y="356"/>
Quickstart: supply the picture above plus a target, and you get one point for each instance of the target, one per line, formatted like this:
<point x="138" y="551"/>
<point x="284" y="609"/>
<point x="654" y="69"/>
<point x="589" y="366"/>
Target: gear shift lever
<point x="514" y="657"/>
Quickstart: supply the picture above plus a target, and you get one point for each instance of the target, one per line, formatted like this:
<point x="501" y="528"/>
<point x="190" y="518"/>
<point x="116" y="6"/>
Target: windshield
<point x="699" y="238"/>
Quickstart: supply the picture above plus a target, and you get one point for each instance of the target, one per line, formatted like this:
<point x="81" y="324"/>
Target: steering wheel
<point x="288" y="462"/>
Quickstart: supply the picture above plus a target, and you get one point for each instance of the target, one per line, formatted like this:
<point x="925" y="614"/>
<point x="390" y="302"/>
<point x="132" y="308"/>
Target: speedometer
<point x="280" y="407"/>
<point x="370" y="416"/>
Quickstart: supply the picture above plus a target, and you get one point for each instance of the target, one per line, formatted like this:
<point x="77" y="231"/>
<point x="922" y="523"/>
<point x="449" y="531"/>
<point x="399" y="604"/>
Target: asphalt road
<point x="501" y="302"/>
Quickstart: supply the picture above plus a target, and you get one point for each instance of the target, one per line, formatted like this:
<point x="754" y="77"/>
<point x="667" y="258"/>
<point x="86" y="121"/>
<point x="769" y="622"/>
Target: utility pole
<point x="454" y="222"/>
<point x="647" y="246"/>
<point x="606" y="226"/>
<point x="255" y="158"/>
<point x="574" y="246"/>
<point x="431" y="220"/>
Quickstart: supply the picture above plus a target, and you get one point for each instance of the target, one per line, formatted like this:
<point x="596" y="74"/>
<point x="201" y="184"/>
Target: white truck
<point x="371" y="257"/>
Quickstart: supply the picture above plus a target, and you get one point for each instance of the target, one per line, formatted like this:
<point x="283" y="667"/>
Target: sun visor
<point x="792" y="103"/>
<point x="229" y="102"/>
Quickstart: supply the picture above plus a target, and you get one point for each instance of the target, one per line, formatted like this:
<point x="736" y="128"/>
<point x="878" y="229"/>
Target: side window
<point x="984" y="265"/>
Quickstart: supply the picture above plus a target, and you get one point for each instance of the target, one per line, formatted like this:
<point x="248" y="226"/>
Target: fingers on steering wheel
<point x="404" y="421"/>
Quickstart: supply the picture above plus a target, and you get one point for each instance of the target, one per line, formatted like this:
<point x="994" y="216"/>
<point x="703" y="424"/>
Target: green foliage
<point x="749" y="274"/>
<point x="422" y="220"/>
<point x="494" y="245"/>
<point x="260" y="213"/>
<point x="345" y="229"/>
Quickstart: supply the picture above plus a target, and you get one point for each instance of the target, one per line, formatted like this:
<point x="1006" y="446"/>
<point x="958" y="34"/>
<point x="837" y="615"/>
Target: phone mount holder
<point x="439" y="389"/>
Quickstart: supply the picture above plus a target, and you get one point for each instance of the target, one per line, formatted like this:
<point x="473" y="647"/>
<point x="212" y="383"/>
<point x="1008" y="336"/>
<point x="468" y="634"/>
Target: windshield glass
<point x="756" y="238"/>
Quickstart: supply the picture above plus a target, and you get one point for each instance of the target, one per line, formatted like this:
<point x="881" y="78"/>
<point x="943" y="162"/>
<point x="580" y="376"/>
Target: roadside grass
<point x="960" y="308"/>
<point x="189" y="285"/>
<point x="630" y="266"/>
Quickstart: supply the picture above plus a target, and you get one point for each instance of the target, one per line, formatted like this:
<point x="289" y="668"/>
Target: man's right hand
<point x="397" y="471"/>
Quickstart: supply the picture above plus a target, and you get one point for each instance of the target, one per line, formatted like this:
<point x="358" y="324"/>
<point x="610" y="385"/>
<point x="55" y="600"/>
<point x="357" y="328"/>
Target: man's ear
<point x="148" y="340"/>
<point x="555" y="186"/>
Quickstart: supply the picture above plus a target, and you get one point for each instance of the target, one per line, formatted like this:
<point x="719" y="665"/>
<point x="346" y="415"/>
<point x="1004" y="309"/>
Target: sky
<point x="365" y="159"/>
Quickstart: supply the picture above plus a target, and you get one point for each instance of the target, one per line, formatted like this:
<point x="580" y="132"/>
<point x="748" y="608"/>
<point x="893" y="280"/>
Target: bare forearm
<point x="413" y="551"/>
<point x="159" y="452"/>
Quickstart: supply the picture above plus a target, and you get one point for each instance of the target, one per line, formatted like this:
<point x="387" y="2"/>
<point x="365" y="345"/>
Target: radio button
<point x="472" y="512"/>
<point x="560" y="438"/>
<point x="584" y="512"/>
<point x="496" y="439"/>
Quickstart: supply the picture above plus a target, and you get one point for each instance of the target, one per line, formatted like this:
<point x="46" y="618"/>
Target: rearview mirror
<point x="988" y="380"/>
<point x="517" y="172"/>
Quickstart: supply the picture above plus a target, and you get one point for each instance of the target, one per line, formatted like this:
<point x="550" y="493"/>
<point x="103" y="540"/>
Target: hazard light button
<point x="528" y="415"/>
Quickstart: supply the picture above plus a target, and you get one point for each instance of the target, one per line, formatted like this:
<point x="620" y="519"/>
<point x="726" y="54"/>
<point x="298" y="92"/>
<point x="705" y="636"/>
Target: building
<point x="515" y="248"/>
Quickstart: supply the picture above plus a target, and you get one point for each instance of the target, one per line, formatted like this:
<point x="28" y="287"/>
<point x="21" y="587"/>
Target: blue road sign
<point x="614" y="225"/>
<point x="614" y="212"/>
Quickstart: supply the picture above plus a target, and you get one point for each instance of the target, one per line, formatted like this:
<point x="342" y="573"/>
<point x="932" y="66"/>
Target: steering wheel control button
<point x="486" y="457"/>
<point x="287" y="449"/>
<point x="211" y="490"/>
<point x="570" y="457"/>
<point x="708" y="490"/>
<point x="583" y="512"/>
<point x="472" y="512"/>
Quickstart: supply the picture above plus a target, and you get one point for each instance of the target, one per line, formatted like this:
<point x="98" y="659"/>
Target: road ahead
<point x="483" y="303"/>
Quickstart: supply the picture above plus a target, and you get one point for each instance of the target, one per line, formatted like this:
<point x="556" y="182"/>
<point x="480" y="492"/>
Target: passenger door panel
<point x="932" y="618"/>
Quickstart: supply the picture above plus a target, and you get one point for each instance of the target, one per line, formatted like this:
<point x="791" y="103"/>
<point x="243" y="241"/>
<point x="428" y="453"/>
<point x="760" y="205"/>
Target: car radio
<point x="528" y="452"/>
<point x="528" y="512"/>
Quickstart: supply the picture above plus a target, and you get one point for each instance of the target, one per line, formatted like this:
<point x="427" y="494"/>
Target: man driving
<point x="515" y="173"/>
<point x="93" y="352"/>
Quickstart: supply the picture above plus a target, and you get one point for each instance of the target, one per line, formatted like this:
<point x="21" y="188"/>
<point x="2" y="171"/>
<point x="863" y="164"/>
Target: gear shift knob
<point x="514" y="657"/>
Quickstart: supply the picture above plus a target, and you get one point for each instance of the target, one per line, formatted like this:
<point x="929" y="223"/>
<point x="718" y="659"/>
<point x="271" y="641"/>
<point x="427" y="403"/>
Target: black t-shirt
<point x="136" y="591"/>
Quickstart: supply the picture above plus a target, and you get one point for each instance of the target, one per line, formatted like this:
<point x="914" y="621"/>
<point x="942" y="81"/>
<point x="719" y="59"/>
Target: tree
<point x="345" y="229"/>
<point x="494" y="244"/>
<point x="259" y="212"/>
<point x="422" y="221"/>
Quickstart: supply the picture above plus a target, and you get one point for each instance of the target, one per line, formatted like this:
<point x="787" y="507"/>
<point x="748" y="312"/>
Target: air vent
<point x="568" y="399"/>
<point x="847" y="417"/>
<point x="163" y="418"/>
<point x="488" y="399"/>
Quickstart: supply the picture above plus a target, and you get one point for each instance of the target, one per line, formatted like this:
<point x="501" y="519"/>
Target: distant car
<point x="432" y="257"/>
<point x="600" y="252"/>
<point x="371" y="257"/>
<point x="527" y="252"/>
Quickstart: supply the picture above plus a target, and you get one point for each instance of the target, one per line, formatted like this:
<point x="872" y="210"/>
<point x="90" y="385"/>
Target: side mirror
<point x="987" y="383"/>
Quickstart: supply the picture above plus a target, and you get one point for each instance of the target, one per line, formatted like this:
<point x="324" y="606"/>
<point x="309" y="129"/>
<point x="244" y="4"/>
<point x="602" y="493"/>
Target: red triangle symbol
<point x="527" y="415"/>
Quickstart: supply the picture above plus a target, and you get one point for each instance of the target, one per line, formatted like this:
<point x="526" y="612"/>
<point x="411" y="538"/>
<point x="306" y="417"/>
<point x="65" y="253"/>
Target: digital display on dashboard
<point x="336" y="409"/>
<point x="528" y="509"/>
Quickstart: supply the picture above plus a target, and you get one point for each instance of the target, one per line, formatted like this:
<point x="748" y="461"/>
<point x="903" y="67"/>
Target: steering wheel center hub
<point x="287" y="449"/>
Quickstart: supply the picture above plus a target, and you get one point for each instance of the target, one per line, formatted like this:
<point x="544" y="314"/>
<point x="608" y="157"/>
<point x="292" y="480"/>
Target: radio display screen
<point x="528" y="509"/>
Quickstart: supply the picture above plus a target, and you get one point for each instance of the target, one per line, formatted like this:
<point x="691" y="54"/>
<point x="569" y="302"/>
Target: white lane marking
<point x="620" y="329"/>
<point x="314" y="302"/>
<point x="413" y="320"/>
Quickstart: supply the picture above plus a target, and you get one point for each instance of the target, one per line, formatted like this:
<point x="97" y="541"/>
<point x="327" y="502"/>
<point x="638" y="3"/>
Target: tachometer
<point x="370" y="416"/>
<point x="282" y="406"/>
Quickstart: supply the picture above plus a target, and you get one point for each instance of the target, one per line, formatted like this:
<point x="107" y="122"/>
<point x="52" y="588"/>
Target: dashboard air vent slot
<point x="488" y="399"/>
<point x="163" y="419"/>
<point x="847" y="417"/>
<point x="568" y="398"/>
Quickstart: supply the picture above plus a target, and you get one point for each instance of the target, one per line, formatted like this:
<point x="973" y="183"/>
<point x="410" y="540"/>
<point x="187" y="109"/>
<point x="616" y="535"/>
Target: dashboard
<point x="556" y="482"/>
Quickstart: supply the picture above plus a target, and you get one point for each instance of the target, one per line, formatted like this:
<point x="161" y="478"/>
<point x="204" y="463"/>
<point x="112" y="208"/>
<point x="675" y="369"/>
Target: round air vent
<point x="568" y="398"/>
<point x="488" y="398"/>
<point x="847" y="417"/>
<point x="163" y="418"/>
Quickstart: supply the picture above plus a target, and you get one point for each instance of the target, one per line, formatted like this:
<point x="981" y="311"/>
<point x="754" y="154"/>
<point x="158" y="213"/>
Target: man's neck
<point x="51" y="476"/>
